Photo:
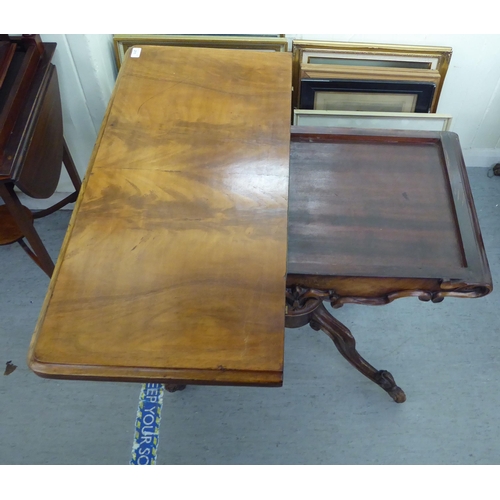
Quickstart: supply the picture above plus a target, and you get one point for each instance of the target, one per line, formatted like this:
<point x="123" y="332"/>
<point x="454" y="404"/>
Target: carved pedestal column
<point x="305" y="306"/>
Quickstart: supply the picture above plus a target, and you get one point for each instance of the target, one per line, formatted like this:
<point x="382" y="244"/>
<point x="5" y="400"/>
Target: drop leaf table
<point x="206" y="224"/>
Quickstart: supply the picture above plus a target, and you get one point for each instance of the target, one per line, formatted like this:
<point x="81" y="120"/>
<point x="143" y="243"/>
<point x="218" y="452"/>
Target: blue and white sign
<point x="147" y="425"/>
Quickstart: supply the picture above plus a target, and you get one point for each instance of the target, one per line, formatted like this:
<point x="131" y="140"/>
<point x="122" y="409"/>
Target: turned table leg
<point x="305" y="306"/>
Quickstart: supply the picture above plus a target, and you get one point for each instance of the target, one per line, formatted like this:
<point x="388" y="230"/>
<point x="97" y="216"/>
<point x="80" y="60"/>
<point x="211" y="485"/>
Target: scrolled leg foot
<point x="305" y="306"/>
<point x="385" y="380"/>
<point x="346" y="344"/>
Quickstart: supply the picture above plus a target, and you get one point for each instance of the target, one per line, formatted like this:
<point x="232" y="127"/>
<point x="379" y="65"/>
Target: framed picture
<point x="369" y="73"/>
<point x="356" y="95"/>
<point x="325" y="71"/>
<point x="431" y="122"/>
<point x="369" y="60"/>
<point x="369" y="55"/>
<point x="274" y="43"/>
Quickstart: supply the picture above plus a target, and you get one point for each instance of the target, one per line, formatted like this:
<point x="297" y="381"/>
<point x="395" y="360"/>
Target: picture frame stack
<point x="362" y="85"/>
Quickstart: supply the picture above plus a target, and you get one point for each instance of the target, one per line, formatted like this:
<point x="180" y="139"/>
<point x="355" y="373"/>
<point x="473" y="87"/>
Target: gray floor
<point x="445" y="356"/>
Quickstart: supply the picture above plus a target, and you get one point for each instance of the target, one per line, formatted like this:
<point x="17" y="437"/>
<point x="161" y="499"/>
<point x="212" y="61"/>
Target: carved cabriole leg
<point x="346" y="344"/>
<point x="306" y="306"/>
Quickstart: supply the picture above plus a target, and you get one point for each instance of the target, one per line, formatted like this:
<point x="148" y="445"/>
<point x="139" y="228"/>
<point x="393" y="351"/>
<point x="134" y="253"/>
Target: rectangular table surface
<point x="381" y="204"/>
<point x="174" y="264"/>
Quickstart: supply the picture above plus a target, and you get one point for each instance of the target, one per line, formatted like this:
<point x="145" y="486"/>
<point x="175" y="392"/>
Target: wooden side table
<point x="34" y="149"/>
<point x="375" y="216"/>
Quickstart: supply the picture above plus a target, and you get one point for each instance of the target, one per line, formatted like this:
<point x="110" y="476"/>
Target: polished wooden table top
<point x="375" y="216"/>
<point x="174" y="264"/>
<point x="373" y="213"/>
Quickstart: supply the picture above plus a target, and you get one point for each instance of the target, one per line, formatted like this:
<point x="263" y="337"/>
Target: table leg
<point x="346" y="344"/>
<point x="75" y="179"/>
<point x="71" y="168"/>
<point x="25" y="224"/>
<point x="305" y="306"/>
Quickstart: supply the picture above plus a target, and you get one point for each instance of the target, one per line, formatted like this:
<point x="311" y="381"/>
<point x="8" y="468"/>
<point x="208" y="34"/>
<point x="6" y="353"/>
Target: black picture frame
<point x="424" y="91"/>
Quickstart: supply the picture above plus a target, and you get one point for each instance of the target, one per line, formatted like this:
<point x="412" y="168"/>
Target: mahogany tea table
<point x="32" y="146"/>
<point x="375" y="216"/>
<point x="204" y="226"/>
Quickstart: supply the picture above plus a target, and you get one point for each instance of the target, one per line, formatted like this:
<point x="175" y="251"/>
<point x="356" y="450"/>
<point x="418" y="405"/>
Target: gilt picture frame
<point x="437" y="58"/>
<point x="272" y="43"/>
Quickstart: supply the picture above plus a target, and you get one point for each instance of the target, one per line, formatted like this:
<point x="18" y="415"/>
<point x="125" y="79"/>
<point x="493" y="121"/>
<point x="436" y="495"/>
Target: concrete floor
<point x="445" y="356"/>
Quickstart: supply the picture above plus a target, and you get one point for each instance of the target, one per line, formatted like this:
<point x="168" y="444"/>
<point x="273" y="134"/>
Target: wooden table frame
<point x="308" y="284"/>
<point x="364" y="212"/>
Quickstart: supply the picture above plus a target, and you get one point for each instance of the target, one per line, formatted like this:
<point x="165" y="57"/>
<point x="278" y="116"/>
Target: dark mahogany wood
<point x="33" y="40"/>
<point x="39" y="252"/>
<point x="10" y="233"/>
<point x="375" y="216"/>
<point x="7" y="50"/>
<point x="34" y="150"/>
<point x="13" y="154"/>
<point x="41" y="169"/>
<point x="16" y="84"/>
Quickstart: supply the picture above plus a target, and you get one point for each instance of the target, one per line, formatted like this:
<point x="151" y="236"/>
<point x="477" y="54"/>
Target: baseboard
<point x="486" y="158"/>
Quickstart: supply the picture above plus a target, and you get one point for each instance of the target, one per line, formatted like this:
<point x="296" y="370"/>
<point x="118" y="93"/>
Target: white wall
<point x="87" y="72"/>
<point x="470" y="93"/>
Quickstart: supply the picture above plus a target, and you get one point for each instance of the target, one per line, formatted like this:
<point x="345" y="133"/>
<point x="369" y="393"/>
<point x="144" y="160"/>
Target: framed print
<point x="369" y="73"/>
<point x="372" y="120"/>
<point x="369" y="60"/>
<point x="356" y="95"/>
<point x="325" y="71"/>
<point x="405" y="103"/>
<point x="370" y="55"/>
<point x="274" y="43"/>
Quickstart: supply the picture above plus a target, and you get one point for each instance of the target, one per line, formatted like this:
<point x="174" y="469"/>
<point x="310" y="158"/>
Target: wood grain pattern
<point x="174" y="265"/>
<point x="376" y="215"/>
